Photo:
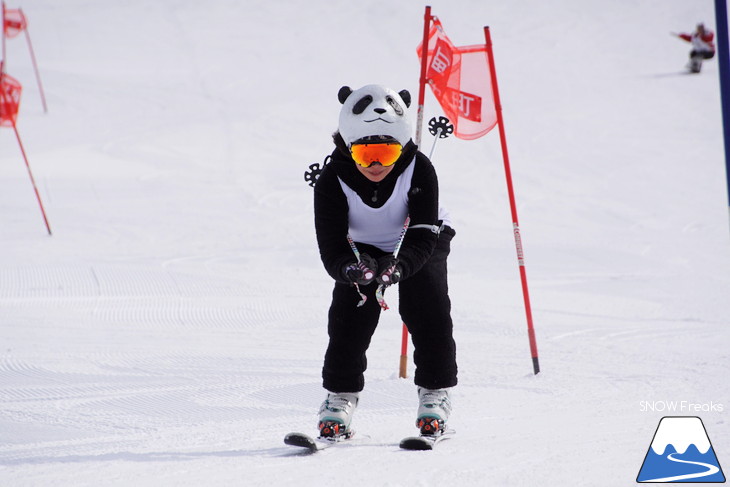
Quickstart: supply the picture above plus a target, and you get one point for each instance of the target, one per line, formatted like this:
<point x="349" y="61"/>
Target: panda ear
<point x="406" y="95"/>
<point x="344" y="92"/>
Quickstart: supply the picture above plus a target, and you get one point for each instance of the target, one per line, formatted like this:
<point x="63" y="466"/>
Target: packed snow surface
<point x="171" y="330"/>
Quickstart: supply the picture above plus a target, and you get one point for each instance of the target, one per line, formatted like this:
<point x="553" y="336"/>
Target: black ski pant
<point x="702" y="54"/>
<point x="425" y="308"/>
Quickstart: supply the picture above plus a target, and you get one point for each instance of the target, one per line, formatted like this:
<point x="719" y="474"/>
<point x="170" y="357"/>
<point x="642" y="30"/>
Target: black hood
<point x="373" y="194"/>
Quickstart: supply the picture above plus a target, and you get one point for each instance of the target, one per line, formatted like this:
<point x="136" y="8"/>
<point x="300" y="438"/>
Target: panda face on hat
<point x="374" y="112"/>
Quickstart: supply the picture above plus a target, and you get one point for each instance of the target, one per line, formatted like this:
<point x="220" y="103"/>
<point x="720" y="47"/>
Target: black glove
<point x="390" y="270"/>
<point x="363" y="272"/>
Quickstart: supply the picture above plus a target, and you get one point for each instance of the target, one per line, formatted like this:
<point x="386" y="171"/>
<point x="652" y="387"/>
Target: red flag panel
<point x="10" y="90"/>
<point x="460" y="80"/>
<point x="15" y="22"/>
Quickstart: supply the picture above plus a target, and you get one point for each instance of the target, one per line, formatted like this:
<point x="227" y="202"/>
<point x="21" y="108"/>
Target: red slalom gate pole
<point x="12" y="24"/>
<point x="422" y="79"/>
<point x="6" y="102"/>
<point x="32" y="180"/>
<point x="513" y="206"/>
<point x="2" y="31"/>
<point x="403" y="353"/>
<point x="403" y="368"/>
<point x="37" y="73"/>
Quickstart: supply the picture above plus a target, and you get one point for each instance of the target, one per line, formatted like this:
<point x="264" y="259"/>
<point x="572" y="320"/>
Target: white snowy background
<point x="172" y="329"/>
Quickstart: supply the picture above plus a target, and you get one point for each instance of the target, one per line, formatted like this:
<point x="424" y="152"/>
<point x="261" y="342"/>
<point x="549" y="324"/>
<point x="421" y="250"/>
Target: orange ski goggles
<point x="384" y="153"/>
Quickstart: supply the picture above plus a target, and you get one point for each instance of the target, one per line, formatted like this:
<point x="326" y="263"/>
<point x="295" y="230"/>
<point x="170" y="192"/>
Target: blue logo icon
<point x="681" y="452"/>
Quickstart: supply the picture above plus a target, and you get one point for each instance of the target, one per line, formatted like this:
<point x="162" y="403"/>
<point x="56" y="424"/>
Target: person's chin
<point x="377" y="175"/>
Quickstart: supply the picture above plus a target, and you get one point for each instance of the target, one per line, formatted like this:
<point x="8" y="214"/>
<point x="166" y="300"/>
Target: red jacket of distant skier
<point x="701" y="42"/>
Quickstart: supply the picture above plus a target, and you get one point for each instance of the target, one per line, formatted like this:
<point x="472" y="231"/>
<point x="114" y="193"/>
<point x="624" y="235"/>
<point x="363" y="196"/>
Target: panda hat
<point x="374" y="112"/>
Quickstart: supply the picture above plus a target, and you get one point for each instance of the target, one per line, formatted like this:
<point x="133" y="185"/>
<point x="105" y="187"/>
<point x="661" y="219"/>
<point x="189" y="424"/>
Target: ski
<point x="315" y="444"/>
<point x="425" y="442"/>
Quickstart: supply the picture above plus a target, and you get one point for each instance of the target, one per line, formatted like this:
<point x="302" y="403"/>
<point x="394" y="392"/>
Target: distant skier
<point x="702" y="46"/>
<point x="375" y="180"/>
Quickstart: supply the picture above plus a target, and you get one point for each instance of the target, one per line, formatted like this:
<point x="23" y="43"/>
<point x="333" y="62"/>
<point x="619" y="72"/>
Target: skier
<point x="702" y="46"/>
<point x="377" y="178"/>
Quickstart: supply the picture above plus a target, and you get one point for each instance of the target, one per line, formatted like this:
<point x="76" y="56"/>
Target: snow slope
<point x="172" y="329"/>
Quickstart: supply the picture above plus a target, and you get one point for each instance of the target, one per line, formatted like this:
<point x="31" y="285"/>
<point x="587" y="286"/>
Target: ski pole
<point x="363" y="298"/>
<point x="438" y="134"/>
<point x="381" y="287"/>
<point x="440" y="129"/>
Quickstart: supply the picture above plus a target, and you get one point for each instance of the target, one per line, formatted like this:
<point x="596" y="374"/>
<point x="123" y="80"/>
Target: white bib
<point x="382" y="226"/>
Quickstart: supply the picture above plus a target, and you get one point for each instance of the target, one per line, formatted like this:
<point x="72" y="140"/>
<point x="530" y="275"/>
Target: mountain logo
<point x="681" y="452"/>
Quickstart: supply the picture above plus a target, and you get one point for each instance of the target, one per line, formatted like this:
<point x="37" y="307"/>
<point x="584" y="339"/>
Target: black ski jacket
<point x="331" y="209"/>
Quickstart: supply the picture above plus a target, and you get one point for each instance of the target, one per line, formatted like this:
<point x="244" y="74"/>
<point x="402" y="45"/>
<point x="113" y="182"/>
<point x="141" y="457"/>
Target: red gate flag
<point x="464" y="81"/>
<point x="10" y="90"/>
<point x="14" y="21"/>
<point x="460" y="80"/>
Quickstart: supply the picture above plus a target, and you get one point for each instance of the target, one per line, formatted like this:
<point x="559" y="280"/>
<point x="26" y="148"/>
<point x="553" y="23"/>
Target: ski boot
<point x="433" y="411"/>
<point x="695" y="64"/>
<point x="335" y="415"/>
